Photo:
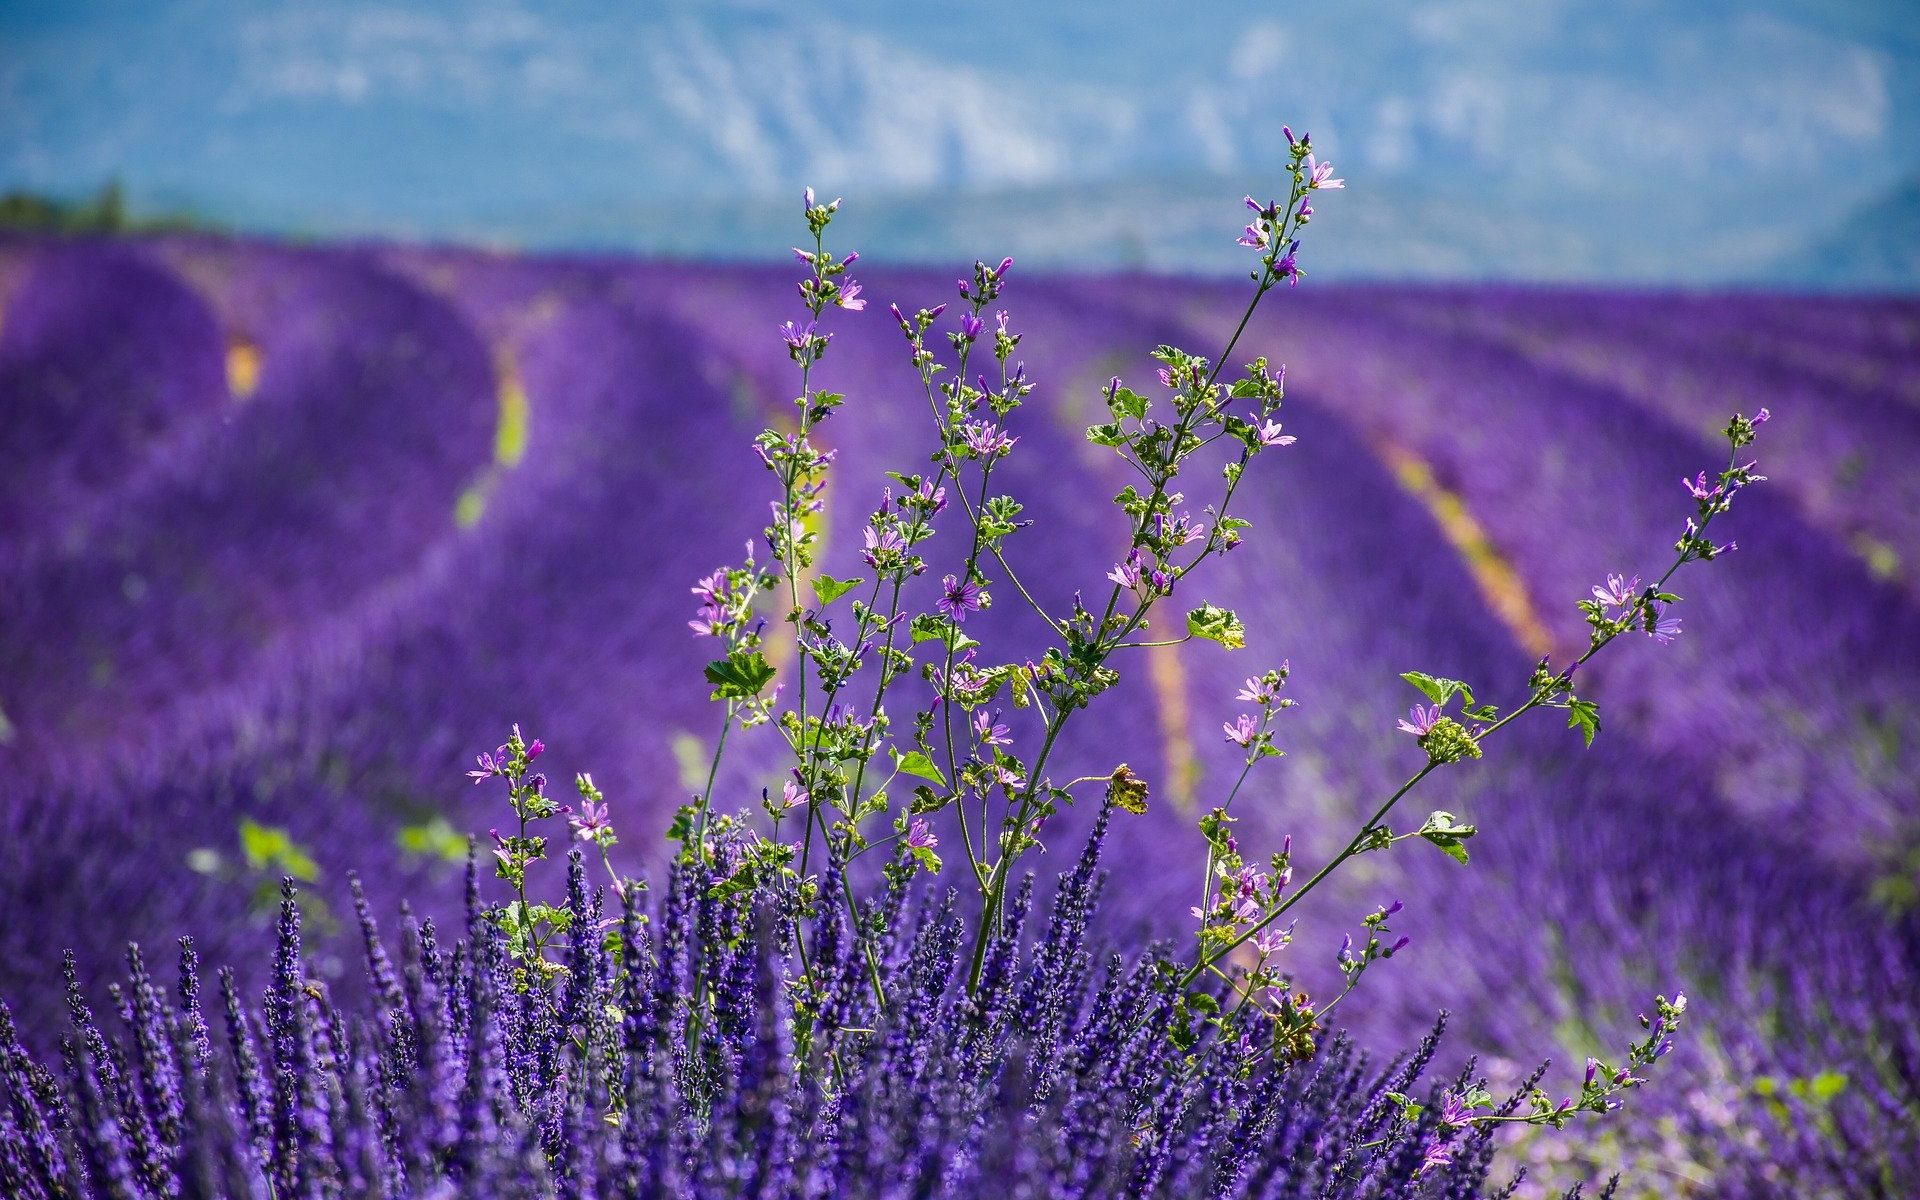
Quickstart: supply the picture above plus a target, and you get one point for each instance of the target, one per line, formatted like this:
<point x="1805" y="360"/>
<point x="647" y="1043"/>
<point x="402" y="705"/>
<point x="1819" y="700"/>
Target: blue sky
<point x="1694" y="141"/>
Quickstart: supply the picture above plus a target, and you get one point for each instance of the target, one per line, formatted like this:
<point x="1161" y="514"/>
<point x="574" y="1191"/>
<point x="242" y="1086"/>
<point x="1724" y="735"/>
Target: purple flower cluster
<point x="457" y="1076"/>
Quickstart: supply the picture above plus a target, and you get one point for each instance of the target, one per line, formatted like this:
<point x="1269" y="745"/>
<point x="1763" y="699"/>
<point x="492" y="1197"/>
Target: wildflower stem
<point x="1002" y="867"/>
<point x="1541" y="694"/>
<point x="1213" y="851"/>
<point x="706" y="793"/>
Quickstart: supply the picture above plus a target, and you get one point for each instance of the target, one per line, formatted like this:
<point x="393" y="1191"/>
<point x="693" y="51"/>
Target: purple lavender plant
<point x="773" y="999"/>
<point x="664" y="1064"/>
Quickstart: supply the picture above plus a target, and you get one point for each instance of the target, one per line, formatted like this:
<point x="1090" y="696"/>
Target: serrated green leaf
<point x="827" y="589"/>
<point x="1442" y="831"/>
<point x="1125" y="403"/>
<point x="739" y="675"/>
<point x="1127" y="790"/>
<point x="916" y="763"/>
<point x="1438" y="689"/>
<point x="734" y="884"/>
<point x="926" y="800"/>
<point x="1584" y="715"/>
<point x="932" y="627"/>
<point x="553" y="915"/>
<point x="1217" y="625"/>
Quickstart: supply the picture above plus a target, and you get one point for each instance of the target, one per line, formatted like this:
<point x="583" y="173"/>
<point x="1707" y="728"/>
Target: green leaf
<point x="739" y="675"/>
<point x="827" y="589"/>
<point x="269" y="847"/>
<point x="915" y="762"/>
<point x="929" y="861"/>
<point x="734" y="884"/>
<point x="1441" y="830"/>
<point x="433" y="839"/>
<point x="1106" y="435"/>
<point x="1217" y="625"/>
<point x="1584" y="715"/>
<point x="1127" y="791"/>
<point x="551" y="915"/>
<point x="1437" y="689"/>
<point x="926" y="800"/>
<point x="932" y="627"/>
<point x="1125" y="403"/>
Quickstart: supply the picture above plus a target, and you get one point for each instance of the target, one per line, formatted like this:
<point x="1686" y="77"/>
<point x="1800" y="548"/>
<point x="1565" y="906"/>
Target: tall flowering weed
<point x="778" y="1017"/>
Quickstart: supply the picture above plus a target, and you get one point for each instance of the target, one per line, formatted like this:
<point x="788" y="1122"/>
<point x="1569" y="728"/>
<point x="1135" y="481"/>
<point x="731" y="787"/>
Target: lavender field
<point x="288" y="533"/>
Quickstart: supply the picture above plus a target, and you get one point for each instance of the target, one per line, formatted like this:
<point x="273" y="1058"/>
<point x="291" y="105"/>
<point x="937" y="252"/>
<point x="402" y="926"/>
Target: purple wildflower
<point x="934" y="499"/>
<point x="1437" y="1153"/>
<point x="1270" y="435"/>
<point x="1698" y="487"/>
<point x="1272" y="939"/>
<point x="1317" y="173"/>
<point x="591" y="822"/>
<point x="792" y="795"/>
<point x="988" y="729"/>
<point x="1288" y="266"/>
<point x="1243" y="731"/>
<point x="921" y="836"/>
<point x="958" y="598"/>
<point x="1258" y="691"/>
<point x="797" y="337"/>
<point x="970" y="326"/>
<point x="1420" y="721"/>
<point x="985" y="439"/>
<point x="489" y="767"/>
<point x="1664" y="630"/>
<point x="884" y="542"/>
<point x="1618" y="591"/>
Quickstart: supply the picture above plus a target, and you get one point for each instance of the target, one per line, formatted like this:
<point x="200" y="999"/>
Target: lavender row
<point x="317" y="500"/>
<point x="1848" y="429"/>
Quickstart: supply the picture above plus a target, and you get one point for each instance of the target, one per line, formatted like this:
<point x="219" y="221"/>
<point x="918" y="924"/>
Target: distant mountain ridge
<point x="1647" y="142"/>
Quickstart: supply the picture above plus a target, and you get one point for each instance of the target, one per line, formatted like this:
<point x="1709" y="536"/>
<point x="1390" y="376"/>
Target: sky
<point x="1689" y="142"/>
